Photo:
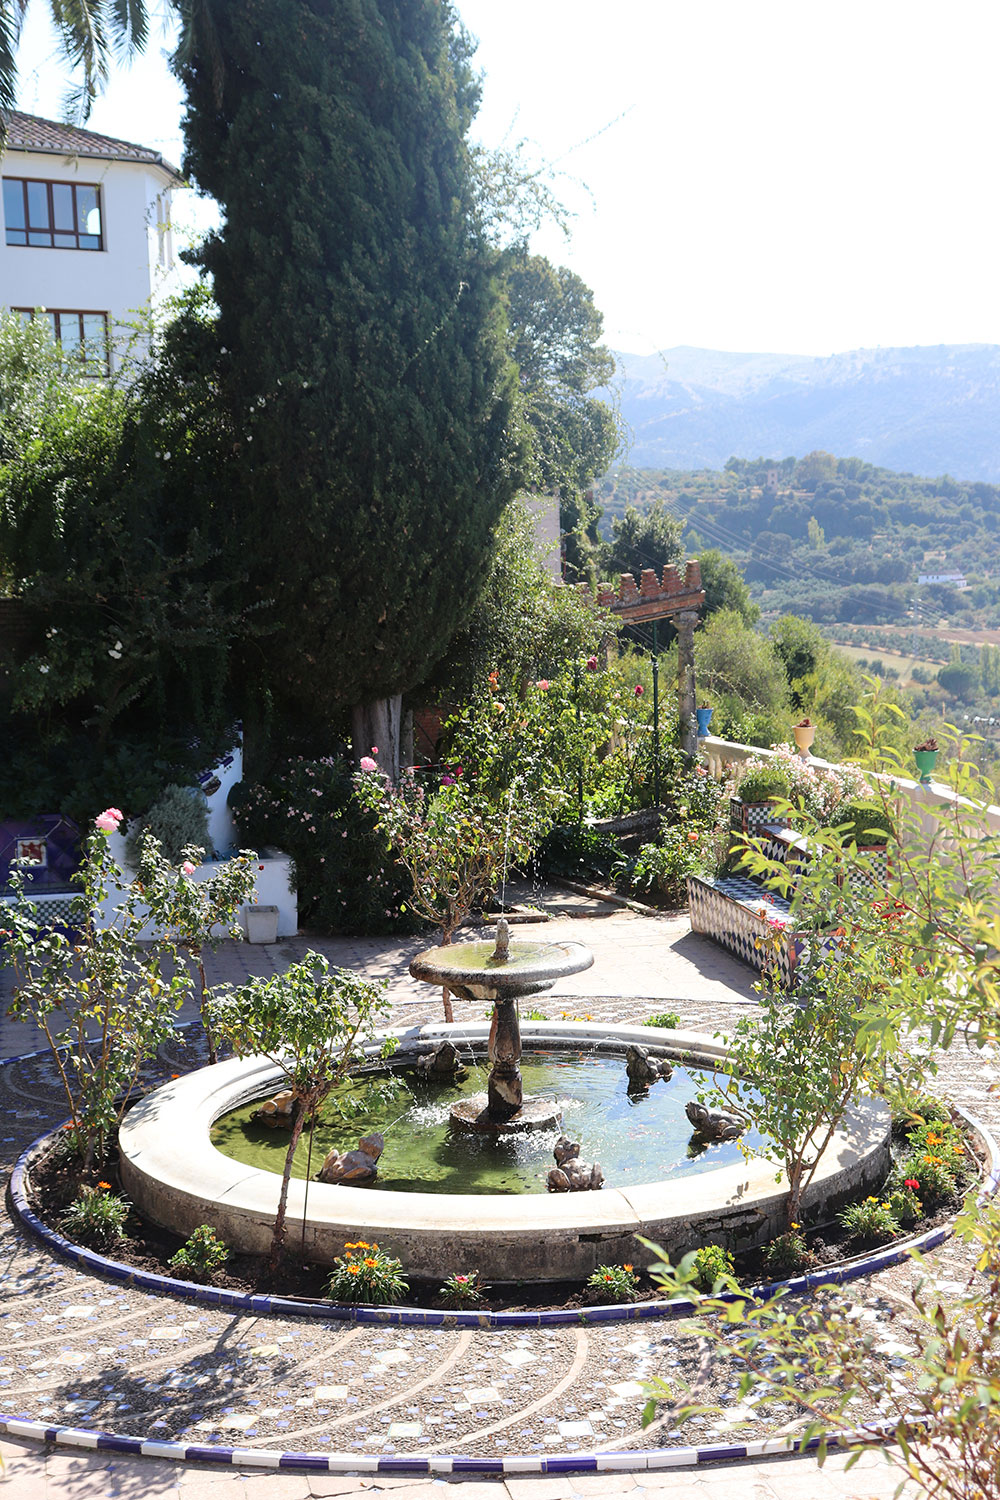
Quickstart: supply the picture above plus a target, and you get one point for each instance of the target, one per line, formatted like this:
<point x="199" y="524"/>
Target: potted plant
<point x="804" y="732"/>
<point x="761" y="784"/>
<point x="925" y="755"/>
<point x="704" y="717"/>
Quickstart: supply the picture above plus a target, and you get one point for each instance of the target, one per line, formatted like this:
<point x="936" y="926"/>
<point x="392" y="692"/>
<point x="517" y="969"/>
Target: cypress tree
<point x="361" y="336"/>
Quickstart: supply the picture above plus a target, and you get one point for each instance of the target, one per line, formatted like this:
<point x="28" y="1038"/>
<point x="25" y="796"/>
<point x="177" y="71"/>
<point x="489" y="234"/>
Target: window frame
<point x="88" y="365"/>
<point x="48" y="183"/>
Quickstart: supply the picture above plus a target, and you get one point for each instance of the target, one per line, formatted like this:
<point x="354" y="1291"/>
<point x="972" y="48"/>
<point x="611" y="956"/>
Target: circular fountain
<point x="502" y="974"/>
<point x="173" y="1169"/>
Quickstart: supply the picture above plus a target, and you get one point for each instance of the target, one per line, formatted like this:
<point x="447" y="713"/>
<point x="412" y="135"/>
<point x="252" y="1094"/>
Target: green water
<point x="636" y="1139"/>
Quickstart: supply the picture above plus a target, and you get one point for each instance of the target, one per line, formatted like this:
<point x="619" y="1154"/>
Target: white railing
<point x="929" y="799"/>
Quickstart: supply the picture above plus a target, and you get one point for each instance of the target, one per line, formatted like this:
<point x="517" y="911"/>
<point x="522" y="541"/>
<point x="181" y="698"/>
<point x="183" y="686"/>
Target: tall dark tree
<point x="361" y="336"/>
<point x="555" y="342"/>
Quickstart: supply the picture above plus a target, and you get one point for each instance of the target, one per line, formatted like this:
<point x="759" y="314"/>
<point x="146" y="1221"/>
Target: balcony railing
<point x="933" y="801"/>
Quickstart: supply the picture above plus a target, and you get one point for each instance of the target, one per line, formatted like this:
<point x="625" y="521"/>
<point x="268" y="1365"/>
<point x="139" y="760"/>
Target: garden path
<point x="80" y="1351"/>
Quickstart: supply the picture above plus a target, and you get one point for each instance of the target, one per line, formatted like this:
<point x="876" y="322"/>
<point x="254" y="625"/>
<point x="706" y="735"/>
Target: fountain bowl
<point x="179" y="1179"/>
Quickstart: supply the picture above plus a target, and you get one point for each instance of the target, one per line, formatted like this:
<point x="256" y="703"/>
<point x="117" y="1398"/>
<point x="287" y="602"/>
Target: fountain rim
<point x="509" y="976"/>
<point x="180" y="1179"/>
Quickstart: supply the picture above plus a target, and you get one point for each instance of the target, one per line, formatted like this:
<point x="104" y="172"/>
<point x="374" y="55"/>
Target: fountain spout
<point x="501" y="953"/>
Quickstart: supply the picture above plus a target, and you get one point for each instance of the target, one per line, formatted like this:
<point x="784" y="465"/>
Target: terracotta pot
<point x="804" y="736"/>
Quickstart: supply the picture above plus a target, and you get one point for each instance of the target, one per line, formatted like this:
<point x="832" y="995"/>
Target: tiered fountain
<point x="502" y="974"/>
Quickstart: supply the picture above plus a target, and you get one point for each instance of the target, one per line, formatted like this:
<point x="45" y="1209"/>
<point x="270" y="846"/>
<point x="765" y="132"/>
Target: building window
<point x="82" y="336"/>
<point x="52" y="215"/>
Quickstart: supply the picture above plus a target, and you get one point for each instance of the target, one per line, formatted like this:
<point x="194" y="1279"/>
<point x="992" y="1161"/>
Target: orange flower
<point x="692" y="838"/>
<point x="354" y="1270"/>
<point x="370" y="1260"/>
<point x="105" y="1185"/>
<point x="626" y="1267"/>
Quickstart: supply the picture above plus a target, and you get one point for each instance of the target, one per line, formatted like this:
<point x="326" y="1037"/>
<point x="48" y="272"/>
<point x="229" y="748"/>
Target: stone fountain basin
<point x="177" y="1177"/>
<point x="530" y="969"/>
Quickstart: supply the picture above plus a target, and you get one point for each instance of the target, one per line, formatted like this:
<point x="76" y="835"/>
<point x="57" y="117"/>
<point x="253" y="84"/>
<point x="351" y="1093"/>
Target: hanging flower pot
<point x="704" y="717"/>
<point x="804" y="732"/>
<point x="925" y="756"/>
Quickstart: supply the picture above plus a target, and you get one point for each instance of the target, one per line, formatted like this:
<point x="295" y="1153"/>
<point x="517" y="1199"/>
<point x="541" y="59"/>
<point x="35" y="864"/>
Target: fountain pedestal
<point x="503" y="975"/>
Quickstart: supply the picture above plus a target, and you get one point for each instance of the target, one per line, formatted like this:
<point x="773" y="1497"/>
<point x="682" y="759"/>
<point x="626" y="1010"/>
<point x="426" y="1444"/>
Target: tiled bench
<point x="745" y="918"/>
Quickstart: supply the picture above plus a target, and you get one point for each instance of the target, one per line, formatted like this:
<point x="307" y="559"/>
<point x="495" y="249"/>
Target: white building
<point x="85" y="233"/>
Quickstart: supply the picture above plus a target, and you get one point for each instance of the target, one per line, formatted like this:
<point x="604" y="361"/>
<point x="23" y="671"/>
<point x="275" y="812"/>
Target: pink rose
<point x="543" y="684"/>
<point x="591" y="663"/>
<point x="374" y="749"/>
<point x="108" y="820"/>
<point x="639" y="690"/>
<point x="367" y="764"/>
<point x="187" y="868"/>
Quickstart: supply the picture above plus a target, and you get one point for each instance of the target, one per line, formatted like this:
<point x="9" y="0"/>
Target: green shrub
<point x="364" y="1273"/>
<point x="577" y="852"/>
<point x="787" y="1254"/>
<point x="619" y="1283"/>
<point x="202" y="1254"/>
<point x="662" y="869"/>
<point x="346" y="880"/>
<point x="713" y="1264"/>
<point x="461" y="1290"/>
<point x="866" y="823"/>
<point x="666" y="1018"/>
<point x="764" y="784"/>
<point x="96" y="1216"/>
<point x="901" y="1196"/>
<point x="178" y="819"/>
<point x="872" y="1221"/>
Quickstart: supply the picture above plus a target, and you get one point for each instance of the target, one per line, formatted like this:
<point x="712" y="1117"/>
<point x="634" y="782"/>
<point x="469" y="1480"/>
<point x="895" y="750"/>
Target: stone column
<point x="685" y="623"/>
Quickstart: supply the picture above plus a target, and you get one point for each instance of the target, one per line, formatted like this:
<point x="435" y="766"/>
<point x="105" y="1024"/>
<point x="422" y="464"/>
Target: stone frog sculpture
<point x="277" y="1112"/>
<point x="713" y="1124"/>
<point x="643" y="1070"/>
<point x="442" y="1062"/>
<point x="356" y="1168"/>
<point x="570" y="1174"/>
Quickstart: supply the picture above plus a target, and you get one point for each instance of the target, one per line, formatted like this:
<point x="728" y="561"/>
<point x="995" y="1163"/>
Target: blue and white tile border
<point x="415" y="1317"/>
<point x="649" y="1460"/>
<point x="353" y="1463"/>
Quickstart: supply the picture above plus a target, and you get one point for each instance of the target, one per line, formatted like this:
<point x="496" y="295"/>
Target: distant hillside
<point x="929" y="411"/>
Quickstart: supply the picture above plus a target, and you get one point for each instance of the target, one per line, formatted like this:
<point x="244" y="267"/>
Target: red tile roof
<point x="30" y="133"/>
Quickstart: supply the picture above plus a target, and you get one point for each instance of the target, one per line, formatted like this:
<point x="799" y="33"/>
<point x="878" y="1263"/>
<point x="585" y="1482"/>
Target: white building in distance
<point x="85" y="234"/>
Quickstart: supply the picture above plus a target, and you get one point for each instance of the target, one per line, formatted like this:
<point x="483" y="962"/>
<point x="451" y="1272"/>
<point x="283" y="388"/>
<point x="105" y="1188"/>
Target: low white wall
<point x="932" y="800"/>
<point x="273" y="888"/>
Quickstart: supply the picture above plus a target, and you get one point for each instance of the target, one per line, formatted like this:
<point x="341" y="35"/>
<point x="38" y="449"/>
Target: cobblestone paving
<point x="78" y="1351"/>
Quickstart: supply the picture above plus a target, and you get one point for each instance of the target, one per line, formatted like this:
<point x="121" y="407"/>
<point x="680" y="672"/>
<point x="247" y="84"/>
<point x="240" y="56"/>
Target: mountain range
<point x="928" y="410"/>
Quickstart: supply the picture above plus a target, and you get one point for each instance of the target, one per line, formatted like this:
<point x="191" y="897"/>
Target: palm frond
<point x="82" y="28"/>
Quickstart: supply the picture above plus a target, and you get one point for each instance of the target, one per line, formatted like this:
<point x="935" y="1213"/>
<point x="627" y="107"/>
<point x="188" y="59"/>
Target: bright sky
<point x="799" y="176"/>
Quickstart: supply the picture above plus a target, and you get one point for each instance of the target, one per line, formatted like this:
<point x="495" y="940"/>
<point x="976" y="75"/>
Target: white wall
<point x="118" y="280"/>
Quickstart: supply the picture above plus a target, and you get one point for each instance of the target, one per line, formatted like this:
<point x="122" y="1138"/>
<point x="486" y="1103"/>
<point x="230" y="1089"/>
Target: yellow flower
<point x="370" y="1260"/>
<point x="626" y="1267"/>
<point x="354" y="1270"/>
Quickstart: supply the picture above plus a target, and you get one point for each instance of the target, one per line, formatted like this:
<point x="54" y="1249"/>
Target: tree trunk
<point x="278" y="1237"/>
<point x="375" y="731"/>
<point x="449" y="1014"/>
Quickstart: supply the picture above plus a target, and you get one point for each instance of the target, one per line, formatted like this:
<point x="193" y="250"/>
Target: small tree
<point x="935" y="936"/>
<point x="191" y="910"/>
<point x="102" y="1000"/>
<point x="453" y="841"/>
<point x="312" y="1022"/>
